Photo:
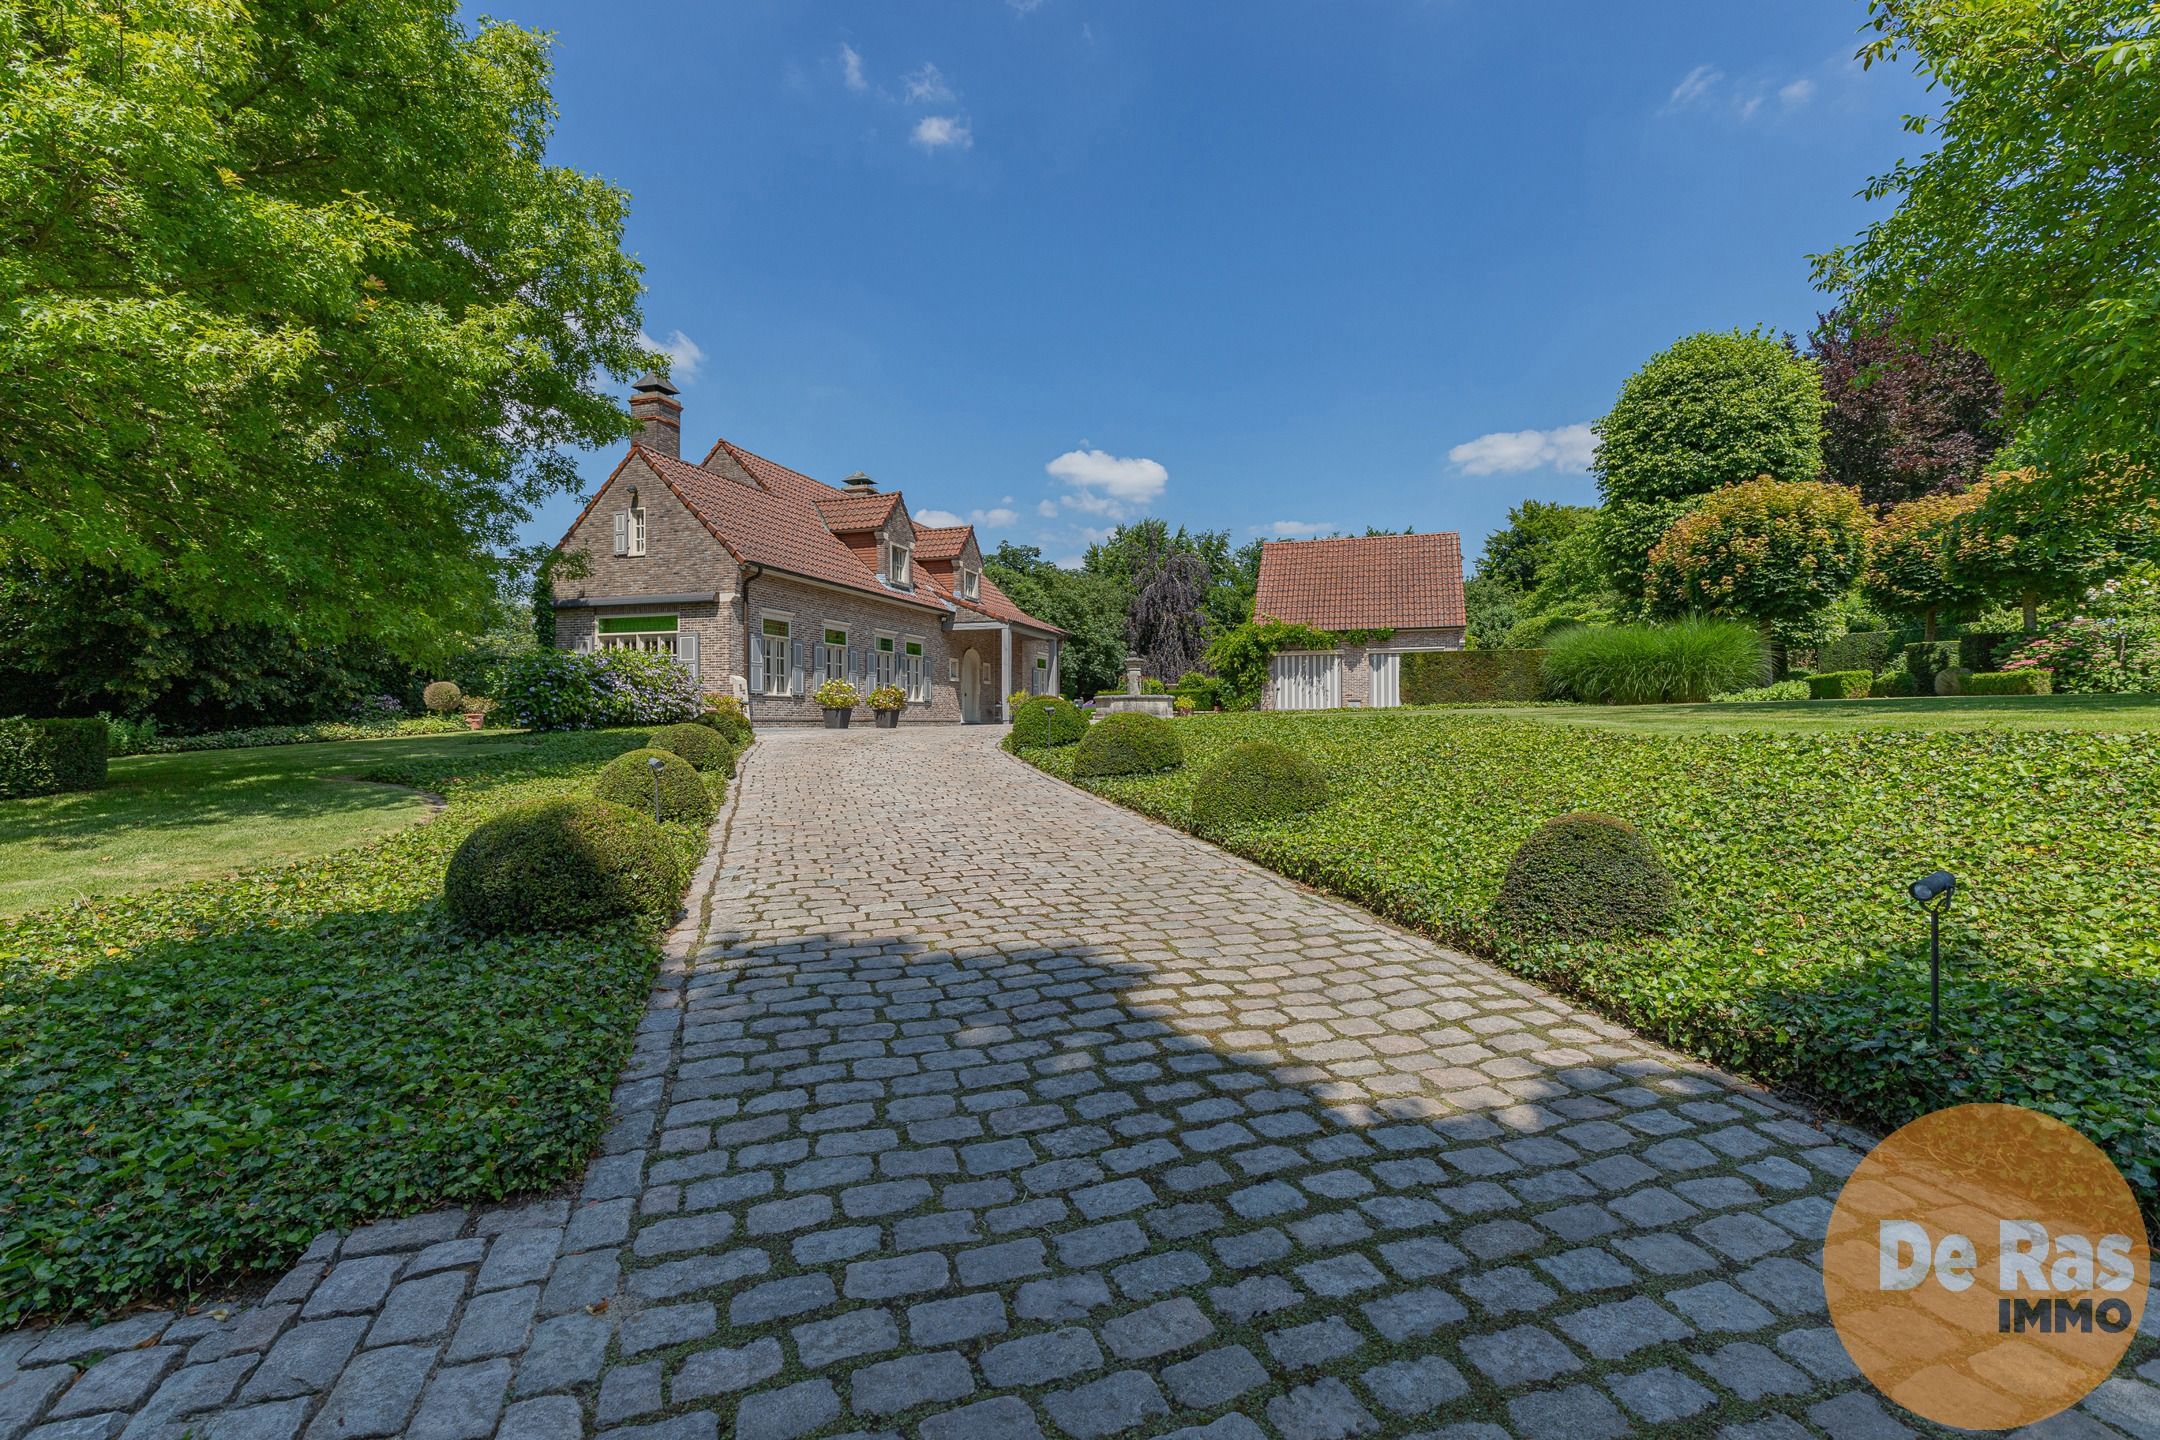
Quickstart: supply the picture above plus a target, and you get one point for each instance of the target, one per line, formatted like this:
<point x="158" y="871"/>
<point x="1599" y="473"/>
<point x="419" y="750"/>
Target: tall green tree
<point x="2030" y="226"/>
<point x="1906" y="418"/>
<point x="294" y="313"/>
<point x="1515" y="554"/>
<point x="1090" y="607"/>
<point x="1133" y="552"/>
<point x="1907" y="573"/>
<point x="2028" y="539"/>
<point x="1714" y="409"/>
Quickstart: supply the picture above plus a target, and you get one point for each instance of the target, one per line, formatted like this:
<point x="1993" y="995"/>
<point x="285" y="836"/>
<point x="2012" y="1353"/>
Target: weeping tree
<point x="1164" y="625"/>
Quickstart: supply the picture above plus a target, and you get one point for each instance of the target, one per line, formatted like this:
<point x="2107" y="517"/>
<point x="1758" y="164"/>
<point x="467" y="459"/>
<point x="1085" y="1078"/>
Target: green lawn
<point x="1796" y="956"/>
<point x="165" y="819"/>
<point x="1944" y="712"/>
<point x="196" y="1080"/>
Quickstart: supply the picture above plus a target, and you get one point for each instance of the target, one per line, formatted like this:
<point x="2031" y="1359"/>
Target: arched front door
<point x="970" y="688"/>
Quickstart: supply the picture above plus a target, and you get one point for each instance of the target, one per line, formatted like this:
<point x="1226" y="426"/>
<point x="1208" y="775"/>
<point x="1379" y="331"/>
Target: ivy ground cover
<point x="195" y="1081"/>
<point x="1796" y="956"/>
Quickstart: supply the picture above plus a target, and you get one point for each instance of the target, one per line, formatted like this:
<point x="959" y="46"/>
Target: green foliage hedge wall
<point x="1454" y="677"/>
<point x="44" y="757"/>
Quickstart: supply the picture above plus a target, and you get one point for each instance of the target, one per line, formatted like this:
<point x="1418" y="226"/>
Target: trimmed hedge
<point x="628" y="780"/>
<point x="1128" y="744"/>
<point x="1893" y="684"/>
<point x="562" y="865"/>
<point x="1983" y="649"/>
<point x="1254" y="783"/>
<point x="45" y="757"/>
<point x="1840" y="685"/>
<point x="2011" y="682"/>
<point x="702" y="746"/>
<point x="1928" y="658"/>
<point x="1868" y="650"/>
<point x="731" y="725"/>
<point x="1044" y="720"/>
<point x="1584" y="876"/>
<point x="1456" y="677"/>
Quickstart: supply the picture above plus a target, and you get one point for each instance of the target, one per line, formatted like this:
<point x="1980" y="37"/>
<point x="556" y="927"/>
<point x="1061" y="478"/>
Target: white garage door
<point x="1306" y="680"/>
<point x="1386" y="681"/>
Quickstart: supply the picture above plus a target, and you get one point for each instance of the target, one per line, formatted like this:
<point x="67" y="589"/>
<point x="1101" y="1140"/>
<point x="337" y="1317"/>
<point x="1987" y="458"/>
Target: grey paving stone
<point x="1159" y="1329"/>
<point x="1742" y="1237"/>
<point x="117" y="1382"/>
<point x="1109" y="1406"/>
<point x="698" y="1425"/>
<point x="1338" y="1276"/>
<point x="784" y="1414"/>
<point x="494" y="1324"/>
<point x="672" y="1278"/>
<point x="277" y="1420"/>
<point x="1160" y="1274"/>
<point x="1254" y="1296"/>
<point x="353" y="1286"/>
<point x="1005" y="1418"/>
<point x="1820" y="1352"/>
<point x="1323" y="1410"/>
<point x="779" y="1299"/>
<point x="414" y="1232"/>
<point x="2131" y="1405"/>
<point x="579" y="1282"/>
<point x="1752" y="1372"/>
<point x="75" y="1344"/>
<point x="1660" y="1396"/>
<point x="1041" y="1359"/>
<point x="666" y="1326"/>
<point x="306" y="1358"/>
<point x="948" y="1322"/>
<point x="1580" y="1272"/>
<point x="1507" y="1290"/>
<point x="1716" y="1306"/>
<point x="780" y="1217"/>
<point x="628" y="1391"/>
<point x="891" y="1386"/>
<point x="462" y="1402"/>
<point x="1854" y="1416"/>
<point x="1215" y="1378"/>
<point x="1575" y="1413"/>
<point x="688" y="1232"/>
<point x="565" y="1352"/>
<point x="725" y="1370"/>
<point x="1414" y="1313"/>
<point x="1524" y="1355"/>
<point x="189" y="1391"/>
<point x="598" y="1225"/>
<point x="1770" y="1427"/>
<point x="845" y="1337"/>
<point x="1229" y="1427"/>
<point x="1061" y="1297"/>
<point x="902" y="1275"/>
<point x="1316" y="1342"/>
<point x="996" y="1264"/>
<point x="419" y="1309"/>
<point x="84" y="1427"/>
<point x="1619" y="1329"/>
<point x="554" y="1417"/>
<point x="376" y="1394"/>
<point x="1415" y="1386"/>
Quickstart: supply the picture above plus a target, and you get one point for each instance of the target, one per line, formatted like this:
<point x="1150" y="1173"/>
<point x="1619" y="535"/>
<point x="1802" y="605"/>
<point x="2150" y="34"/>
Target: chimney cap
<point x="860" y="482"/>
<point x="653" y="382"/>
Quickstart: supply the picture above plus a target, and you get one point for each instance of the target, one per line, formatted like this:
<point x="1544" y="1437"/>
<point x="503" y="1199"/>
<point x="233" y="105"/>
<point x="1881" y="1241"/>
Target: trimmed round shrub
<point x="1253" y="783"/>
<point x="442" y="696"/>
<point x="703" y="748"/>
<point x="1128" y="744"/>
<point x="1046" y="720"/>
<point x="730" y="724"/>
<point x="1584" y="877"/>
<point x="562" y="865"/>
<point x="628" y="780"/>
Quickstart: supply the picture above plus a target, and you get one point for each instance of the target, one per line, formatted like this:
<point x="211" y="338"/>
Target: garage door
<point x="1386" y="681"/>
<point x="1305" y="680"/>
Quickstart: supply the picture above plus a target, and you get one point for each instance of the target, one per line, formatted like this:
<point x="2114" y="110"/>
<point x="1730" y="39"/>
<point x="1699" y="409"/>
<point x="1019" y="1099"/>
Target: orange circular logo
<point x="1986" y="1266"/>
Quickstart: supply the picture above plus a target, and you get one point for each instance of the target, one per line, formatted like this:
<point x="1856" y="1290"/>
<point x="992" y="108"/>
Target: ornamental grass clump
<point x="703" y="748"/>
<point x="1128" y="744"/>
<point x="1042" y="721"/>
<point x="628" y="780"/>
<point x="1584" y="876"/>
<point x="562" y="865"/>
<point x="1256" y="783"/>
<point x="1683" y="661"/>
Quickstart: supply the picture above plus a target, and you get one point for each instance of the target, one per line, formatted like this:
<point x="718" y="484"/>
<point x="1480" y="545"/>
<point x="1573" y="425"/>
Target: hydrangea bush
<point x="563" y="690"/>
<point x="2093" y="657"/>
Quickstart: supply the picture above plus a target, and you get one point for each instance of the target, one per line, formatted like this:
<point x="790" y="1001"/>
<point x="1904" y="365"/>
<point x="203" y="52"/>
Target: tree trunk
<point x="1773" y="651"/>
<point x="2032" y="612"/>
<point x="1927" y="630"/>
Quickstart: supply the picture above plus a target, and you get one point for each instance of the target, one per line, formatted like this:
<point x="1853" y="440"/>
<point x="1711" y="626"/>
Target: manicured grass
<point x="1796" y="955"/>
<point x="195" y="1081"/>
<point x="2107" y="713"/>
<point x="165" y="819"/>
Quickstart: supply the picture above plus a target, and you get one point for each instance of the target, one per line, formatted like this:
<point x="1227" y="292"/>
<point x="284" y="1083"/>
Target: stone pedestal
<point x="1132" y="701"/>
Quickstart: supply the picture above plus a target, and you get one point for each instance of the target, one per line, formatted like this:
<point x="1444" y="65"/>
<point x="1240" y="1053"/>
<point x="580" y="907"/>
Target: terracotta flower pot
<point x="474" y="719"/>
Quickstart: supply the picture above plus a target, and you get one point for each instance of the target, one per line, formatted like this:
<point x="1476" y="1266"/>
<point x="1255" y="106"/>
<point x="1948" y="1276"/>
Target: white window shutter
<point x="622" y="532"/>
<point x="686" y="650"/>
<point x="757" y="664"/>
<point x="795" y="680"/>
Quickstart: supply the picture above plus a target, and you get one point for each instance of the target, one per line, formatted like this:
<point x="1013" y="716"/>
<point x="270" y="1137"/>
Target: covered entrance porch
<point x="995" y="658"/>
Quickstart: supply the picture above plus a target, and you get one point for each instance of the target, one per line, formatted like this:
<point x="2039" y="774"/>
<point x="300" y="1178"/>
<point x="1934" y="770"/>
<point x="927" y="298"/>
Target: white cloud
<point x="1567" y="449"/>
<point x="1025" y="7"/>
<point x="938" y="519"/>
<point x="1697" y="83"/>
<point x="926" y="86"/>
<point x="851" y="70"/>
<point x="1047" y="509"/>
<point x="1296" y="529"/>
<point x="1749" y="106"/>
<point x="685" y="356"/>
<point x="1797" y="94"/>
<point x="997" y="517"/>
<point x="1104" y="484"/>
<point x="940" y="132"/>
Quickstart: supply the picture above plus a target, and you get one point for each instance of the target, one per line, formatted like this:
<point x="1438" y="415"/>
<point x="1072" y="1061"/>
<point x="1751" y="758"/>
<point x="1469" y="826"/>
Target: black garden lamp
<point x="1932" y="892"/>
<point x="656" y="763"/>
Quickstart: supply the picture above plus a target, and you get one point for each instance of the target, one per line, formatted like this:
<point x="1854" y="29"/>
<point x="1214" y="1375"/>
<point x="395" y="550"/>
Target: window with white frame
<point x="899" y="564"/>
<point x="884" y="653"/>
<point x="657" y="633"/>
<point x="835" y="653"/>
<point x="630" y="531"/>
<point x="970" y="583"/>
<point x="777" y="632"/>
<point x="1039" y="677"/>
<point x="952" y="669"/>
<point x="918" y="680"/>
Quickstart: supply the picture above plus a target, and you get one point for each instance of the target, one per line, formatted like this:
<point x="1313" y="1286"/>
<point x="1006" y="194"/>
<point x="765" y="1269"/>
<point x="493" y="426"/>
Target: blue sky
<point x="1274" y="268"/>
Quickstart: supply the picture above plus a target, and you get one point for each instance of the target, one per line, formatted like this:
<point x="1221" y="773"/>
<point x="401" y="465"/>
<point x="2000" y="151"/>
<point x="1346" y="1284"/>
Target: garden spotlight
<point x="656" y="763"/>
<point x="1933" y="892"/>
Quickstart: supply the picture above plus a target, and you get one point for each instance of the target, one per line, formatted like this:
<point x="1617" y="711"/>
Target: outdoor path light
<point x="656" y="763"/>
<point x="1933" y="892"/>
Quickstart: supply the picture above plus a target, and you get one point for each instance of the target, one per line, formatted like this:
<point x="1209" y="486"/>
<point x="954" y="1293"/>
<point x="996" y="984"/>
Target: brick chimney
<point x="860" y="484"/>
<point x="658" y="413"/>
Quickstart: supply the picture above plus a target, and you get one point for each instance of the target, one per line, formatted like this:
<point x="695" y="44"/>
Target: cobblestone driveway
<point x="989" y="1112"/>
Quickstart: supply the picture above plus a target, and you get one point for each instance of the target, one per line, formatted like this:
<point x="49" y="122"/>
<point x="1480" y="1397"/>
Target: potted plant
<point x="839" y="700"/>
<point x="886" y="703"/>
<point x="477" y="709"/>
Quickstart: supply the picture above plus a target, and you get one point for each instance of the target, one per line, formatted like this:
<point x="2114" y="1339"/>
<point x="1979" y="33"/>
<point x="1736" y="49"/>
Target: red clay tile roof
<point x="941" y="542"/>
<point x="787" y="522"/>
<point x="1398" y="582"/>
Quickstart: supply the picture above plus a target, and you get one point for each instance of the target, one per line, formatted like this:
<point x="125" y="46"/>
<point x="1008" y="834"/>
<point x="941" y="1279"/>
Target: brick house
<point x="1411" y="585"/>
<point x="765" y="583"/>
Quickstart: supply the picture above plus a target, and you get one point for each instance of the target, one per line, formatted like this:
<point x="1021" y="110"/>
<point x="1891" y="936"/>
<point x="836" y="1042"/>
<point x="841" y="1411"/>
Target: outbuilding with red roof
<point x="1389" y="595"/>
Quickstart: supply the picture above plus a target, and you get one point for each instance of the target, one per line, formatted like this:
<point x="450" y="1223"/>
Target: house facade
<point x="765" y="583"/>
<point x="1410" y="586"/>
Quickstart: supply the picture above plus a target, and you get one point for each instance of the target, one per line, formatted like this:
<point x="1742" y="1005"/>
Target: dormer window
<point x="630" y="530"/>
<point x="970" y="584"/>
<point x="899" y="564"/>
